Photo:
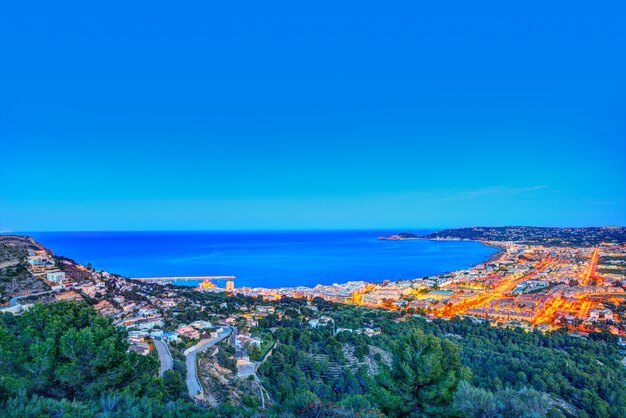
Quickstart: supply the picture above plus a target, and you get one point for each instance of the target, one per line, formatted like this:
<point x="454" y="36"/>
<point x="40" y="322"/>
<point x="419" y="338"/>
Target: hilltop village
<point x="217" y="346"/>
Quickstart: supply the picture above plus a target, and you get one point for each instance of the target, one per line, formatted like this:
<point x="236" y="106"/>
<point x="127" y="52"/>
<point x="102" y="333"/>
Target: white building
<point x="55" y="276"/>
<point x="200" y="324"/>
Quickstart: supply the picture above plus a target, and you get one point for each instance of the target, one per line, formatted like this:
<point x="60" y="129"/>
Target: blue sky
<point x="160" y="115"/>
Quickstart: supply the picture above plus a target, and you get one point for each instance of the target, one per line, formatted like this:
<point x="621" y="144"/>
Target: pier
<point x="164" y="280"/>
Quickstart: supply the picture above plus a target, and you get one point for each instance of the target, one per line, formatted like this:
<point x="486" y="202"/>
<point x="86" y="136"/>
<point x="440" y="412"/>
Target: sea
<point x="266" y="259"/>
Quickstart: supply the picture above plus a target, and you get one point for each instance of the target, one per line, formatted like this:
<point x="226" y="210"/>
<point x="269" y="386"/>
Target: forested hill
<point x="536" y="235"/>
<point x="63" y="359"/>
<point x="441" y="368"/>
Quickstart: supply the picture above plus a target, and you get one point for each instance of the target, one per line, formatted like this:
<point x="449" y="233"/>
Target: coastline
<point x="385" y="293"/>
<point x="404" y="236"/>
<point x="271" y="261"/>
<point x="485" y="259"/>
<point x="495" y="256"/>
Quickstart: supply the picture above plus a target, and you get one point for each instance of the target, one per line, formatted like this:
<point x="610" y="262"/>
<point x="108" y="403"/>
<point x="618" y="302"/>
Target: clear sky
<point x="305" y="115"/>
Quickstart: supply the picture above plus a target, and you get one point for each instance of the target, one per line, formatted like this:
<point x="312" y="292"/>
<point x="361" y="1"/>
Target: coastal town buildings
<point x="578" y="288"/>
<point x="539" y="286"/>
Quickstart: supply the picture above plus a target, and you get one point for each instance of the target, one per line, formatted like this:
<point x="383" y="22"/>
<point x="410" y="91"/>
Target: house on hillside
<point x="104" y="307"/>
<point x="201" y="324"/>
<point x="244" y="339"/>
<point x="69" y="296"/>
<point x="188" y="332"/>
<point x="55" y="276"/>
<point x="170" y="336"/>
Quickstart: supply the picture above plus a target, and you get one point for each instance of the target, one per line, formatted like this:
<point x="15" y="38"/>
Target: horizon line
<point x="279" y="230"/>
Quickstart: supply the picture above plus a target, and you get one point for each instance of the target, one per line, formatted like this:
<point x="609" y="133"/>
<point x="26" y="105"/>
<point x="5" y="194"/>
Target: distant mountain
<point x="536" y="235"/>
<point x="401" y="236"/>
<point x="526" y="234"/>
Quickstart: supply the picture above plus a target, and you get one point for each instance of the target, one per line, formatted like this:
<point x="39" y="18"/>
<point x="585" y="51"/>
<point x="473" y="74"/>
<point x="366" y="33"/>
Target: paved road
<point x="165" y="357"/>
<point x="16" y="298"/>
<point x="193" y="384"/>
<point x="15" y="301"/>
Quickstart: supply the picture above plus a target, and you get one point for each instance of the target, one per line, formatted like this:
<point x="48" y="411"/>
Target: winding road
<point x="193" y="383"/>
<point x="14" y="301"/>
<point x="165" y="357"/>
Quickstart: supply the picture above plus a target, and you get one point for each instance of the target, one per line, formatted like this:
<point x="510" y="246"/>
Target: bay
<point x="266" y="259"/>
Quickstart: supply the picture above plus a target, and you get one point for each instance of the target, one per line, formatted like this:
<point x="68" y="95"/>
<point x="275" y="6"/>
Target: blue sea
<point x="265" y="259"/>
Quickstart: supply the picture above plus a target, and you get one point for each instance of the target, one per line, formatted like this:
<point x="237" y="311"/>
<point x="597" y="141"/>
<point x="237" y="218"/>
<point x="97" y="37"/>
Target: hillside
<point x="64" y="359"/>
<point x="448" y="368"/>
<point x="583" y="237"/>
<point x="15" y="278"/>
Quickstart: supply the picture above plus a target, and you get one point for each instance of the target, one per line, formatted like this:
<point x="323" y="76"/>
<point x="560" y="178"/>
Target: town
<point x="216" y="337"/>
<point x="581" y="289"/>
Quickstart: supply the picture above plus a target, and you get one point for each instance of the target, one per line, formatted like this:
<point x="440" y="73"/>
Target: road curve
<point x="165" y="357"/>
<point x="15" y="300"/>
<point x="193" y="384"/>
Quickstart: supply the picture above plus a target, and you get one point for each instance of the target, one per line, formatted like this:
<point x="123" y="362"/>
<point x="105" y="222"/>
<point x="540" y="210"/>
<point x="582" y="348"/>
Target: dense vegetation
<point x="586" y="373"/>
<point x="412" y="373"/>
<point x="441" y="368"/>
<point x="64" y="359"/>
